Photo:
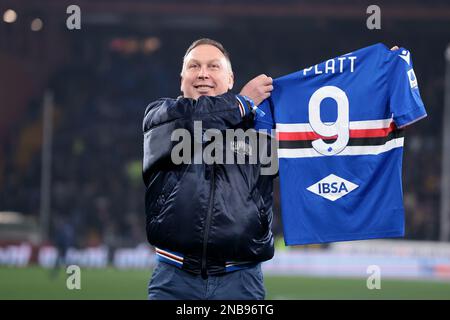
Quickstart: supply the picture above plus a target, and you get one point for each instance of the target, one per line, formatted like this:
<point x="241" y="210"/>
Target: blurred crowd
<point x="100" y="96"/>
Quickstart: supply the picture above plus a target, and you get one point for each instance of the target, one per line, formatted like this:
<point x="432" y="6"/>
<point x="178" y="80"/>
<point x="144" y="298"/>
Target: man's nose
<point x="203" y="73"/>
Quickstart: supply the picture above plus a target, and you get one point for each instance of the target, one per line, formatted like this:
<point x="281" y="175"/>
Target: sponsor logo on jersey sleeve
<point x="412" y="79"/>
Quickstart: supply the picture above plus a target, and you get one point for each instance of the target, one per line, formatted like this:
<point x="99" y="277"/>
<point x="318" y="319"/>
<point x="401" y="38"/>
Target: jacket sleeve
<point x="164" y="116"/>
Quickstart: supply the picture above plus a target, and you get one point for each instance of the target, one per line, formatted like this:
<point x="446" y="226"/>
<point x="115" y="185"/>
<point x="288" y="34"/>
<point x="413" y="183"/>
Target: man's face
<point x="205" y="73"/>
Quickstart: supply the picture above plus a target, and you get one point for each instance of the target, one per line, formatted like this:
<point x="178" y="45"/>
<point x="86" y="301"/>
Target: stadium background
<point x="98" y="81"/>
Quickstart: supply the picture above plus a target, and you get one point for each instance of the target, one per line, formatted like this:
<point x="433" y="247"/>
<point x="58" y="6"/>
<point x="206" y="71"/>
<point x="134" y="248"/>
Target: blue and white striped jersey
<point x="340" y="126"/>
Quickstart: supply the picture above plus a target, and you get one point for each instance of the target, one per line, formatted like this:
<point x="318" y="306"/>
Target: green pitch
<point x="37" y="283"/>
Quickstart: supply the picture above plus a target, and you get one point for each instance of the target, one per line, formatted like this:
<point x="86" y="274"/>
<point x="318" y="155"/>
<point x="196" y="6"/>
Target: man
<point x="210" y="223"/>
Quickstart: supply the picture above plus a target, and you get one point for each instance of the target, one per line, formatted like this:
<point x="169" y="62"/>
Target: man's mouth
<point x="203" y="87"/>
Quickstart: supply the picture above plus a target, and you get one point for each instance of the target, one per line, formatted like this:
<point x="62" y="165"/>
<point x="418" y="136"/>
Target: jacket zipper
<point x="207" y="225"/>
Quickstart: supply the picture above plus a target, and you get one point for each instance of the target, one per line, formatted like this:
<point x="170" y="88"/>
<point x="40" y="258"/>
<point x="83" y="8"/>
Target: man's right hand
<point x="258" y="88"/>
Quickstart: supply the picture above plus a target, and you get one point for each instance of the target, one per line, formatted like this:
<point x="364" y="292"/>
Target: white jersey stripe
<point x="371" y="124"/>
<point x="348" y="151"/>
<point x="306" y="127"/>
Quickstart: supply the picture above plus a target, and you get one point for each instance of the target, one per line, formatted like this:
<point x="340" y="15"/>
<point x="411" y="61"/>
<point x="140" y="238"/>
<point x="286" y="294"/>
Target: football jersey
<point x="339" y="129"/>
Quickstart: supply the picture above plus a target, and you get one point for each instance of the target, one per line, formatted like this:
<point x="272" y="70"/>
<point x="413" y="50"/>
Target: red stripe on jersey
<point x="354" y="133"/>
<point x="372" y="133"/>
<point x="301" y="136"/>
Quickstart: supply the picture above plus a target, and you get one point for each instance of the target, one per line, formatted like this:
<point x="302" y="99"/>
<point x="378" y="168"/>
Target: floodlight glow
<point x="9" y="16"/>
<point x="37" y="24"/>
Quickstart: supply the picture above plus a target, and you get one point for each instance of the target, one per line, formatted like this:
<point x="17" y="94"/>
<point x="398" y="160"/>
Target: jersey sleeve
<point x="264" y="120"/>
<point x="405" y="102"/>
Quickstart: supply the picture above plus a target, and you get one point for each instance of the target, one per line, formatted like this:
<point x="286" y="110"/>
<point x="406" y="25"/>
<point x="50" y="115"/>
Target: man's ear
<point x="231" y="81"/>
<point x="181" y="82"/>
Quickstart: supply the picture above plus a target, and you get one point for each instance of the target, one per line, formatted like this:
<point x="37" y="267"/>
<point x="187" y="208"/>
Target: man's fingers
<point x="265" y="89"/>
<point x="259" y="88"/>
<point x="261" y="77"/>
<point x="265" y="80"/>
<point x="266" y="95"/>
<point x="394" y="48"/>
